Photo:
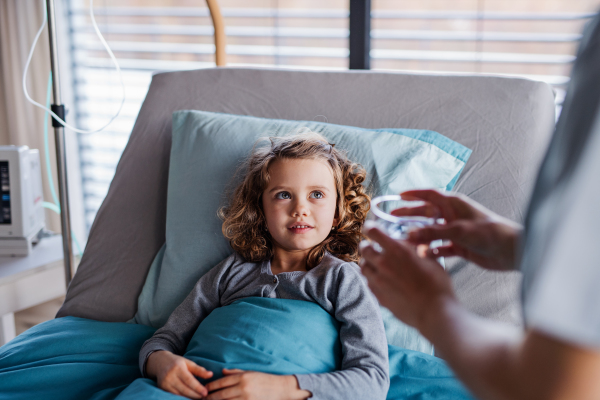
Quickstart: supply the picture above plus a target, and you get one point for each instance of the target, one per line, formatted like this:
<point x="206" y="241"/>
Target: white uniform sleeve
<point x="564" y="299"/>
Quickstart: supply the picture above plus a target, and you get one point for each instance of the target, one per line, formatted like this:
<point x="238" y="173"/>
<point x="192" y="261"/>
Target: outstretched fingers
<point x="441" y="251"/>
<point x="439" y="200"/>
<point x="425" y="210"/>
<point x="455" y="232"/>
<point x="385" y="253"/>
<point x="371" y="230"/>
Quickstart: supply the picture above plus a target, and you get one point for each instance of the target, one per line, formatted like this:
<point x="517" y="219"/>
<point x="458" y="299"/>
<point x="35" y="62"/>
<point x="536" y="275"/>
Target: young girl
<point x="295" y="224"/>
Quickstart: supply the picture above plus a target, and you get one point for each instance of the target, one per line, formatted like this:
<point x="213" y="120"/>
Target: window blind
<point x="153" y="39"/>
<point x="538" y="41"/>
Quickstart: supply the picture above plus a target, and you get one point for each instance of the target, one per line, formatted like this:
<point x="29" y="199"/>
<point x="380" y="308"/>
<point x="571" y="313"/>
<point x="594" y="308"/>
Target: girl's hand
<point x="475" y="233"/>
<point x="250" y="385"/>
<point x="175" y="374"/>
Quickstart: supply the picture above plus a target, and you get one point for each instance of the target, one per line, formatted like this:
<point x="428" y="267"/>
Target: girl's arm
<point x="364" y="371"/>
<point x="175" y="335"/>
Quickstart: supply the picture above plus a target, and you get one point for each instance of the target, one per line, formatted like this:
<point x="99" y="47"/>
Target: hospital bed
<point x="507" y="123"/>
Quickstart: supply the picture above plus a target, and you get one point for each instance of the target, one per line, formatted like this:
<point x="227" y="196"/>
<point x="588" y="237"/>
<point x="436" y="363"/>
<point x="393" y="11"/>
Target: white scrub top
<point x="561" y="255"/>
<point x="564" y="299"/>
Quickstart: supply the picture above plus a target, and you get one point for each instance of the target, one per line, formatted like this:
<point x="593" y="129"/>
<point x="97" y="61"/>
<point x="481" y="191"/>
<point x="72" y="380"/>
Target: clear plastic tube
<point x="110" y="53"/>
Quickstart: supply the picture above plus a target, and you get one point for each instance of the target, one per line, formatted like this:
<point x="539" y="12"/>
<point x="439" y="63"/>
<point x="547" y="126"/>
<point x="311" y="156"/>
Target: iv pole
<point x="59" y="134"/>
<point x="59" y="138"/>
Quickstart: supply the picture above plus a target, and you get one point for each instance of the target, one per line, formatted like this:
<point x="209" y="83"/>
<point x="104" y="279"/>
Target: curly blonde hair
<point x="244" y="222"/>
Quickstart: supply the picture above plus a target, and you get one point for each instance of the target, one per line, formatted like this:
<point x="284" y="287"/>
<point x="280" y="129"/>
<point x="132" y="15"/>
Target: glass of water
<point x="395" y="226"/>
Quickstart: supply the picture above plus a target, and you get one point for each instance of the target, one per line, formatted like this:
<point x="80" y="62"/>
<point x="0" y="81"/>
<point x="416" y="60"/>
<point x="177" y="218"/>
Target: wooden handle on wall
<point x="219" y="27"/>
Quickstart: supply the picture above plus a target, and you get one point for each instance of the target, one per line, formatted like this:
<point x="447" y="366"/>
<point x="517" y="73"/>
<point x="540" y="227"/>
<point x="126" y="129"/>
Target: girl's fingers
<point x="224" y="382"/>
<point x="192" y="384"/>
<point x="186" y="391"/>
<point x="180" y="389"/>
<point x="198" y="370"/>
<point x="168" y="388"/>
<point x="226" y="394"/>
<point x="232" y="371"/>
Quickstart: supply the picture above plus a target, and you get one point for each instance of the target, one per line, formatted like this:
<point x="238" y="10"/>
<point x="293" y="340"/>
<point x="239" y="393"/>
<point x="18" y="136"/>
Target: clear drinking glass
<point x="394" y="226"/>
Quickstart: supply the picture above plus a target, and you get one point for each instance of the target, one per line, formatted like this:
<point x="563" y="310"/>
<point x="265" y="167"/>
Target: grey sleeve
<point x="365" y="365"/>
<point x="175" y="335"/>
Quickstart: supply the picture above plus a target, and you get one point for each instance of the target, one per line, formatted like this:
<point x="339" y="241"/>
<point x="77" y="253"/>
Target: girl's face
<point x="300" y="203"/>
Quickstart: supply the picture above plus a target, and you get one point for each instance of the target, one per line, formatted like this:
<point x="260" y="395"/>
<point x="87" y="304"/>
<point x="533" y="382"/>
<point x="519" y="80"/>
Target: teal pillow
<point x="206" y="150"/>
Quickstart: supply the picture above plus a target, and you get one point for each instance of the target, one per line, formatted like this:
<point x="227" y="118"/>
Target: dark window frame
<point x="360" y="34"/>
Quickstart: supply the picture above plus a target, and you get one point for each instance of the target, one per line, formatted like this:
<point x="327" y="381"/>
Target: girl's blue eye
<point x="283" y="196"/>
<point x="316" y="195"/>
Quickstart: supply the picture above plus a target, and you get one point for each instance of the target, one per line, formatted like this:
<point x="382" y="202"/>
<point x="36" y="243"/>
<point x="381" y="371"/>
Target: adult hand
<point x="411" y="287"/>
<point x="475" y="233"/>
<point x="177" y="375"/>
<point x="251" y="385"/>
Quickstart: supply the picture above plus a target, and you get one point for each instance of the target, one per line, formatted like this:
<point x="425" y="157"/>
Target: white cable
<point x="112" y="56"/>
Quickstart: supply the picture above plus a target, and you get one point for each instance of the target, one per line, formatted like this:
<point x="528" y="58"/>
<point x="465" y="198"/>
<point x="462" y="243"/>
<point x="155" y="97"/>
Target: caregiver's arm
<point x="498" y="362"/>
<point x="364" y="370"/>
<point x="494" y="361"/>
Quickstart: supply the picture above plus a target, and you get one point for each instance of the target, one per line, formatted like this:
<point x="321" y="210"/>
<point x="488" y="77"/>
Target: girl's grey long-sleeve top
<point x="335" y="285"/>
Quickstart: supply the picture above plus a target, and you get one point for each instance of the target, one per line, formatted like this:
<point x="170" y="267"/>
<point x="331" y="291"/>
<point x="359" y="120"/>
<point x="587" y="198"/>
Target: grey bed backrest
<point x="506" y="122"/>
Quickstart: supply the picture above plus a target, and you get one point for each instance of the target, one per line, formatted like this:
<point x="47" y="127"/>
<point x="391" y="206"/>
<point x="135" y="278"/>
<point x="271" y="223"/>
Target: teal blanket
<point x="76" y="358"/>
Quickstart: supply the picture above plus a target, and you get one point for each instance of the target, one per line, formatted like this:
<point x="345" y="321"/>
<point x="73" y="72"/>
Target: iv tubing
<point x="110" y="53"/>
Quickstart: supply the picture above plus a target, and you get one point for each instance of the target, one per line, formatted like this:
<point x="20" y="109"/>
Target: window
<point x="531" y="38"/>
<point x="177" y="35"/>
<point x="535" y="39"/>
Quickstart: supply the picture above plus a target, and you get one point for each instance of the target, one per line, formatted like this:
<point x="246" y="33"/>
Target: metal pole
<point x="59" y="137"/>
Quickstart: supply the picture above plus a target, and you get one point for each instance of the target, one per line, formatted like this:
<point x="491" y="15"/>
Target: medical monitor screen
<point x="5" y="194"/>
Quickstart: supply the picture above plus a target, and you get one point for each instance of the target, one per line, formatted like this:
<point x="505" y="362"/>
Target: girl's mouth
<point x="300" y="229"/>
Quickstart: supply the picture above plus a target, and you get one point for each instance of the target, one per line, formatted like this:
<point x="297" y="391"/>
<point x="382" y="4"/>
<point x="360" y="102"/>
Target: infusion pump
<point x="21" y="201"/>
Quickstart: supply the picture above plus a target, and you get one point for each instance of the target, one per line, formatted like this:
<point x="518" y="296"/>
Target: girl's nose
<point x="300" y="209"/>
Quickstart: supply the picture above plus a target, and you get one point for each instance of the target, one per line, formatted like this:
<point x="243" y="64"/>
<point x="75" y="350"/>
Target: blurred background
<point x="536" y="39"/>
<point x="531" y="38"/>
